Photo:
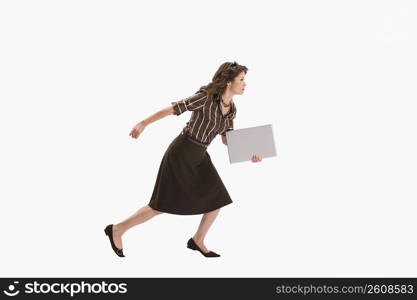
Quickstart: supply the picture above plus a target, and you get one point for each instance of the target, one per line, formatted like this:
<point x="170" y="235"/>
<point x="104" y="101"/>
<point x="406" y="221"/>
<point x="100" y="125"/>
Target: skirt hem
<point x="173" y="212"/>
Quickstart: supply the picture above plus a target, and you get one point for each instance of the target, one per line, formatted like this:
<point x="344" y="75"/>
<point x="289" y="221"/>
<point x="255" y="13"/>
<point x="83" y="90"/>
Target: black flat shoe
<point x="192" y="245"/>
<point x="109" y="232"/>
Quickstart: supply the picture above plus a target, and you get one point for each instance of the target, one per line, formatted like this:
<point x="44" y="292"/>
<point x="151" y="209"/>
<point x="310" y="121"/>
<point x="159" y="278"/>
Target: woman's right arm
<point x="137" y="130"/>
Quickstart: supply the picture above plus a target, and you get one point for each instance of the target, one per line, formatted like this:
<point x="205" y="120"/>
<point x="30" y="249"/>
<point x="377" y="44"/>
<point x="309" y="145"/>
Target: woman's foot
<point x="203" y="250"/>
<point x="109" y="232"/>
<point x="117" y="236"/>
<point x="201" y="245"/>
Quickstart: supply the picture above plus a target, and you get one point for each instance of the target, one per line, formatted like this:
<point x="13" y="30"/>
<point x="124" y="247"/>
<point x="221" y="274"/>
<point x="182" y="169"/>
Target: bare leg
<point x="206" y="221"/>
<point x="142" y="215"/>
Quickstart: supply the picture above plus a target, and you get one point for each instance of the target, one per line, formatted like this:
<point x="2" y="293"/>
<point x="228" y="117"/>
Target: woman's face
<point x="238" y="84"/>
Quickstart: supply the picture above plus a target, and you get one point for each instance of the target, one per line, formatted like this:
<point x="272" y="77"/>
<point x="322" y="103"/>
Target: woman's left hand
<point x="256" y="158"/>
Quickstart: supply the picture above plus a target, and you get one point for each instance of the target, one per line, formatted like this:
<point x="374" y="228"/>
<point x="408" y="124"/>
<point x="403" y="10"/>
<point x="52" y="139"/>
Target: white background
<point x="336" y="79"/>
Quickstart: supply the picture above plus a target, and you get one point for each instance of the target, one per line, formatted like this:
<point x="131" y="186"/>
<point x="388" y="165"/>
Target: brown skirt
<point x="187" y="182"/>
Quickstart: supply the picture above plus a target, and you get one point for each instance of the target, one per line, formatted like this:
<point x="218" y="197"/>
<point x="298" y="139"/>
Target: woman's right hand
<point x="137" y="130"/>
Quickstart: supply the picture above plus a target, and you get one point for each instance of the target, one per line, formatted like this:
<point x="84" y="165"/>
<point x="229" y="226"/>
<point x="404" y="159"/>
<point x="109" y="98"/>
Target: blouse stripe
<point x="214" y="126"/>
<point x="200" y="123"/>
<point x="208" y="123"/>
<point x="195" y="121"/>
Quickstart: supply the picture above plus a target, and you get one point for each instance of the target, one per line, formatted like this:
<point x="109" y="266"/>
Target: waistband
<point x="191" y="139"/>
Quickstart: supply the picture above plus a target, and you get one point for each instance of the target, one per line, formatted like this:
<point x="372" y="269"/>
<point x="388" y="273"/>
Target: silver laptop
<point x="243" y="143"/>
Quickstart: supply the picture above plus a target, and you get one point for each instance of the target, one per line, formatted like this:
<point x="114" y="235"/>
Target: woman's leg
<point x="206" y="221"/>
<point x="142" y="215"/>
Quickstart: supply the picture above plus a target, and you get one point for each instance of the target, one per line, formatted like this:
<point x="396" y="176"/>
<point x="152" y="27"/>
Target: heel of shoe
<point x="191" y="244"/>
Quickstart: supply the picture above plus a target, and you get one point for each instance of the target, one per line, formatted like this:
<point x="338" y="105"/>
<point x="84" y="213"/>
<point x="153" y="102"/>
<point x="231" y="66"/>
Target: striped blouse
<point x="207" y="119"/>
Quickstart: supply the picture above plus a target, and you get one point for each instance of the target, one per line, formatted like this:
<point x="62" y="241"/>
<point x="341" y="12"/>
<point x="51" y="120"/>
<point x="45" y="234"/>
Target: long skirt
<point x="187" y="182"/>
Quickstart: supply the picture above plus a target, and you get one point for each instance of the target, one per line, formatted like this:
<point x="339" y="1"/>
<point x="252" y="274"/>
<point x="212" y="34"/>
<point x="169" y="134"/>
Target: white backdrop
<point x="336" y="79"/>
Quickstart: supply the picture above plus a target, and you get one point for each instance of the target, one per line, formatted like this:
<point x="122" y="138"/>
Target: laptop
<point x="243" y="143"/>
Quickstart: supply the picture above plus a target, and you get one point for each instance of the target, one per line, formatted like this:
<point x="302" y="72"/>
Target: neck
<point x="227" y="97"/>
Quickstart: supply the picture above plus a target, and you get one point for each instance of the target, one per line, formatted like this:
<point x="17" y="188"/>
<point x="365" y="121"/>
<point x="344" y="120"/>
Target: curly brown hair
<point x="225" y="73"/>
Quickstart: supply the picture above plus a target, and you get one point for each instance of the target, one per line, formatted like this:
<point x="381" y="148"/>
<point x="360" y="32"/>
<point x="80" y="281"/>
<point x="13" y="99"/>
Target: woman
<point x="187" y="182"/>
